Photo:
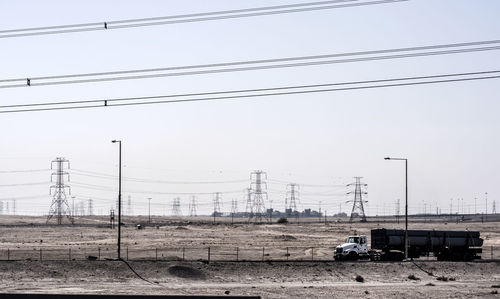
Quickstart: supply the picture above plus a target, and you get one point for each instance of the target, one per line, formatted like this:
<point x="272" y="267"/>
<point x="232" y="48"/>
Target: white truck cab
<point x="355" y="247"/>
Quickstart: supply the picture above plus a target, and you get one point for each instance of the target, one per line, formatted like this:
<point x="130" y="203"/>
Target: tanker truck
<point x="388" y="245"/>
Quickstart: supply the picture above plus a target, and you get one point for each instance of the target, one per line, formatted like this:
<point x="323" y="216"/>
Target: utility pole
<point x="119" y="195"/>
<point x="357" y="202"/>
<point x="406" y="201"/>
<point x="59" y="207"/>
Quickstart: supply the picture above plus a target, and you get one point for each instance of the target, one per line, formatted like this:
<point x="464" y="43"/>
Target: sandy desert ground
<point x="321" y="278"/>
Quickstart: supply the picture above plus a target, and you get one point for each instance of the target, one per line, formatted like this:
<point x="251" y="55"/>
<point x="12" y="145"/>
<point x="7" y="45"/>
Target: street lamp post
<point x="119" y="194"/>
<point x="406" y="202"/>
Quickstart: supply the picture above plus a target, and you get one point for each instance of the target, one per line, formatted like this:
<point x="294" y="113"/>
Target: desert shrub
<point x="430" y="284"/>
<point x="282" y="220"/>
<point x="442" y="278"/>
<point x="359" y="278"/>
<point x="413" y="277"/>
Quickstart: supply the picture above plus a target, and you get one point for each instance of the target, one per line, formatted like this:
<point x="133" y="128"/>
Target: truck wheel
<point x="353" y="256"/>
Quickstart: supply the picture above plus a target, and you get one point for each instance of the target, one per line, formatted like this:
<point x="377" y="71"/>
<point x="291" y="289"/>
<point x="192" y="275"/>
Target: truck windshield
<point x="352" y="240"/>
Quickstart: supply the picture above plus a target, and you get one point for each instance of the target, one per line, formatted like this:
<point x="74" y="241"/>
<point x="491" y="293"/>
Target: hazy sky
<point x="449" y="132"/>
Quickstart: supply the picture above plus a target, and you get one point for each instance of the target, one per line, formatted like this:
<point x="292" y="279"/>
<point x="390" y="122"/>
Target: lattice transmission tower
<point x="217" y="202"/>
<point x="176" y="207"/>
<point x="249" y="203"/>
<point x="192" y="207"/>
<point x="59" y="207"/>
<point x="291" y="198"/>
<point x="1" y="207"/>
<point x="398" y="209"/>
<point x="357" y="203"/>
<point x="234" y="206"/>
<point x="259" y="186"/>
<point x="91" y="207"/>
<point x="129" y="206"/>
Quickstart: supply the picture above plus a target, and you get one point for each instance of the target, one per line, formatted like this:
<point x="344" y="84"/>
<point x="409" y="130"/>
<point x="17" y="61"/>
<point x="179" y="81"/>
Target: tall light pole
<point x="119" y="195"/>
<point x="406" y="201"/>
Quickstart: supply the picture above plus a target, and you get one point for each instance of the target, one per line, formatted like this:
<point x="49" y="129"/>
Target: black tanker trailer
<point x="388" y="244"/>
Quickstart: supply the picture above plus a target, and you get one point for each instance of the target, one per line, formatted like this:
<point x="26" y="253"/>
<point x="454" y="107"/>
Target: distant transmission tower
<point x="14" y="207"/>
<point x="129" y="206"/>
<point x="91" y="207"/>
<point x="234" y="206"/>
<point x="1" y="207"/>
<point x="7" y="210"/>
<point x="494" y="211"/>
<point x="258" y="184"/>
<point x="176" y="207"/>
<point x="249" y="206"/>
<point x="82" y="208"/>
<point x="59" y="206"/>
<point x="217" y="200"/>
<point x="398" y="209"/>
<point x="357" y="203"/>
<point x="192" y="207"/>
<point x="291" y="198"/>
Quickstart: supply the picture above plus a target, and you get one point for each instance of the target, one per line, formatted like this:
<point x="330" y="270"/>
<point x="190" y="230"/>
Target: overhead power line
<point x="25" y="184"/>
<point x="24" y="170"/>
<point x="142" y="180"/>
<point x="190" y="18"/>
<point x="111" y="189"/>
<point x="253" y="93"/>
<point x="252" y="65"/>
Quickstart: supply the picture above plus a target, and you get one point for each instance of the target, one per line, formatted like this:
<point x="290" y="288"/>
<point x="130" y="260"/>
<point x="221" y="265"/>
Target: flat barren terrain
<point x="172" y="257"/>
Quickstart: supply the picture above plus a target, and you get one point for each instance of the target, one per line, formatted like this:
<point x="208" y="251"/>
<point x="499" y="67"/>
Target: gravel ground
<point x="267" y="279"/>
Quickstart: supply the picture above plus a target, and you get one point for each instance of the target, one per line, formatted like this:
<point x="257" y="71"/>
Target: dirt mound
<point x="286" y="238"/>
<point x="186" y="272"/>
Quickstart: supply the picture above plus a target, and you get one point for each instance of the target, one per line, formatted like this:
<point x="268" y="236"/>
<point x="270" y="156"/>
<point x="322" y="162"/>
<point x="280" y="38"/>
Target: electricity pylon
<point x="59" y="207"/>
<point x="357" y="202"/>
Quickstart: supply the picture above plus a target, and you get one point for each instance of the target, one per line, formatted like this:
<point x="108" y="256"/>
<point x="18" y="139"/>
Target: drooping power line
<point x="253" y="93"/>
<point x="189" y="18"/>
<point x="252" y="65"/>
